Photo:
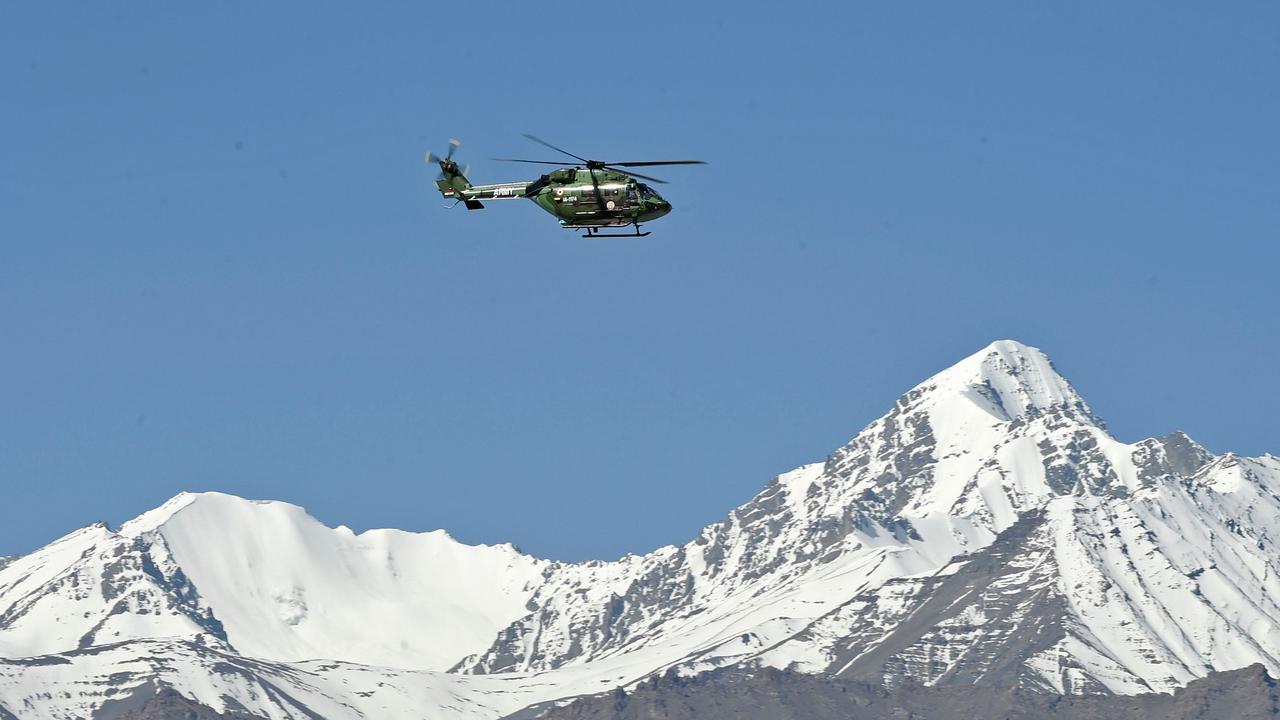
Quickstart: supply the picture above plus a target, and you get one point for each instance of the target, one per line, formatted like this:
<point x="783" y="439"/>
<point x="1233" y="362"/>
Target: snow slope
<point x="285" y="587"/>
<point x="986" y="529"/>
<point x="288" y="588"/>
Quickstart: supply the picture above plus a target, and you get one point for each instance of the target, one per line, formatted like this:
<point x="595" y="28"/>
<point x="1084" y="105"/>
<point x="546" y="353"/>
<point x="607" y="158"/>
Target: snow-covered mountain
<point x="268" y="578"/>
<point x="986" y="529"/>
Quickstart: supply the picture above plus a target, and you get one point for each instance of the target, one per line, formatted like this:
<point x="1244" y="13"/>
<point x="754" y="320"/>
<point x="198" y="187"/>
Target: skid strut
<point x="593" y="232"/>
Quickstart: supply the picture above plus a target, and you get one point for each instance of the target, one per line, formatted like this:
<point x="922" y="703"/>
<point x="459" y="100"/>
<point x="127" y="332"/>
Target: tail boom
<point x="453" y="183"/>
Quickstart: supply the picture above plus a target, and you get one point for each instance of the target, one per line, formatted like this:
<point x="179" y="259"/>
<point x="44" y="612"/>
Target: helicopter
<point x="589" y="195"/>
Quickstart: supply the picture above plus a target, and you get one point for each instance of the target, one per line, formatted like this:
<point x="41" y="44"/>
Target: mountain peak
<point x="1010" y="380"/>
<point x="157" y="517"/>
<point x="283" y="582"/>
<point x="154" y="518"/>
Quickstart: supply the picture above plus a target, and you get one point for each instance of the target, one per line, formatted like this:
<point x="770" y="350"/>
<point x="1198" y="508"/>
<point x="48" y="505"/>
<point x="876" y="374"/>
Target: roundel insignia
<point x="609" y="205"/>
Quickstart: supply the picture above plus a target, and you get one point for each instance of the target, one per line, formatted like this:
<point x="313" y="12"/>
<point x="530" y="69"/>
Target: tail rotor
<point x="452" y="180"/>
<point x="447" y="165"/>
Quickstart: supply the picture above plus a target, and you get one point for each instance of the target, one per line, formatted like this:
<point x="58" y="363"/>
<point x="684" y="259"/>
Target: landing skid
<point x="592" y="232"/>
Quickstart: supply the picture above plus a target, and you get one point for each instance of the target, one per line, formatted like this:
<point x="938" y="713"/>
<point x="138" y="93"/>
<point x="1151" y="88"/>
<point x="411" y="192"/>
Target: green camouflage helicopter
<point x="588" y="195"/>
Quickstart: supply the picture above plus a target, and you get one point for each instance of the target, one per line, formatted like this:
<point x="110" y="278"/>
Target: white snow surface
<point x="1158" y="557"/>
<point x="286" y="587"/>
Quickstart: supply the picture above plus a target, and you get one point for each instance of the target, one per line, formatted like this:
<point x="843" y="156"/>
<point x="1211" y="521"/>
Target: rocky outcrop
<point x="1245" y="694"/>
<point x="163" y="703"/>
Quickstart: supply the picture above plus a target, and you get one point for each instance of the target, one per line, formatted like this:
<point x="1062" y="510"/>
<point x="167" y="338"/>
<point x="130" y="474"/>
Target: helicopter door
<point x="633" y="197"/>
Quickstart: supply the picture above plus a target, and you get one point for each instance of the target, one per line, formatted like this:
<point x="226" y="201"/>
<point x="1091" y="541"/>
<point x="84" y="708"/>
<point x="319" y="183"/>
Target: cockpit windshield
<point x="647" y="192"/>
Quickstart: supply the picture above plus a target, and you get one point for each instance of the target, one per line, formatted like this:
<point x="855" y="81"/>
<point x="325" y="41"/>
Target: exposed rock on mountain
<point x="1245" y="694"/>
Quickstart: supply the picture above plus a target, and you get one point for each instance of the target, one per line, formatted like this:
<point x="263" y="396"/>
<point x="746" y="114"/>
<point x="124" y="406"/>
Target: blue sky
<point x="223" y="265"/>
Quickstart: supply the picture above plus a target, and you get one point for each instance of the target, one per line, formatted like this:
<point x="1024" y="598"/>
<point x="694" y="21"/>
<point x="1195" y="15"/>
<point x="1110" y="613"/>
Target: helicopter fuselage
<point x="572" y="197"/>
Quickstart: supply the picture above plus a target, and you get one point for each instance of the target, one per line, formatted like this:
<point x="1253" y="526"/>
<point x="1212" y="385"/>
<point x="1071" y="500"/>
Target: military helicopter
<point x="588" y="195"/>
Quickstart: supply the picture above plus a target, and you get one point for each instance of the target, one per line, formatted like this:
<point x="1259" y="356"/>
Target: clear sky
<point x="223" y="265"/>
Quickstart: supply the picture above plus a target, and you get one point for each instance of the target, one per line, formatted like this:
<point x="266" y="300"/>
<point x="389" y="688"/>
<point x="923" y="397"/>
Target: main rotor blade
<point x="659" y="162"/>
<point x="636" y="174"/>
<point x="553" y="147"/>
<point x="536" y="186"/>
<point x="535" y="162"/>
<point x="596" y="184"/>
<point x="453" y="147"/>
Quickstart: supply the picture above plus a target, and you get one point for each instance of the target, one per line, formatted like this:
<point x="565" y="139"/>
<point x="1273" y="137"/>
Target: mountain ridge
<point x="991" y="483"/>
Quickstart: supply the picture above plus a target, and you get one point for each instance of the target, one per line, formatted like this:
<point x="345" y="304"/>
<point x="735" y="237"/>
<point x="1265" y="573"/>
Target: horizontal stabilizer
<point x="474" y="205"/>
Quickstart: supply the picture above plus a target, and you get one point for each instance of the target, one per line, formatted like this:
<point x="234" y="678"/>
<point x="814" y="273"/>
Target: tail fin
<point x="453" y="181"/>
